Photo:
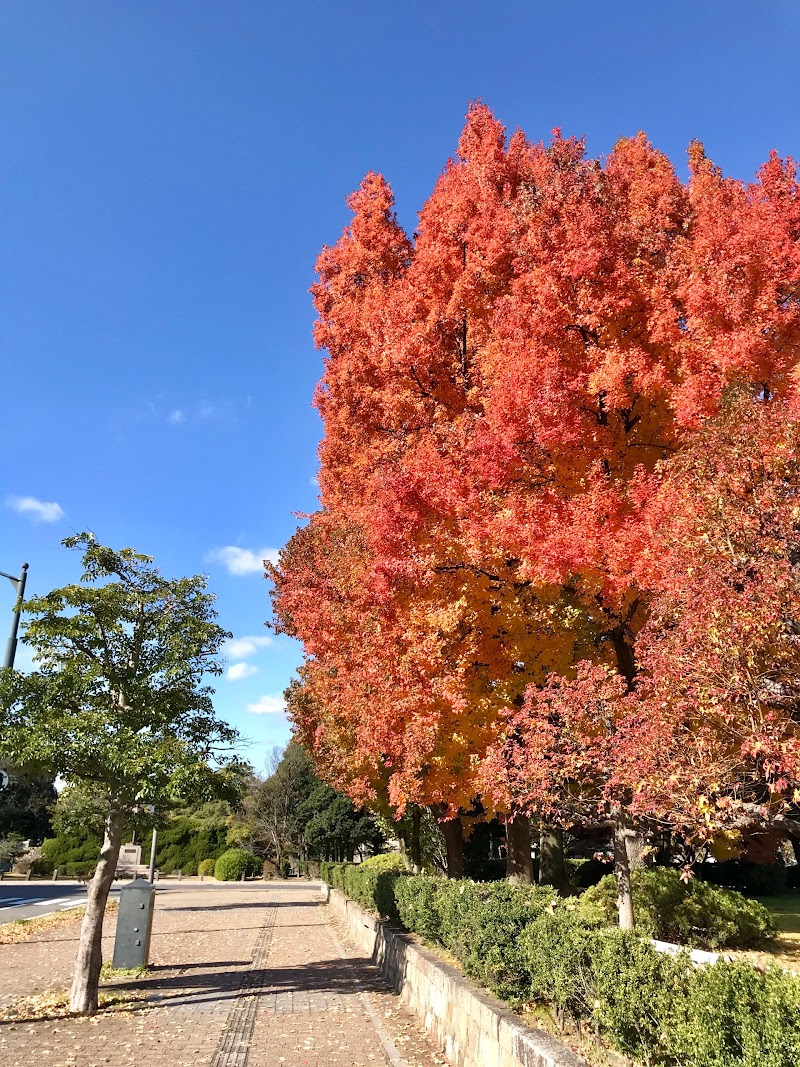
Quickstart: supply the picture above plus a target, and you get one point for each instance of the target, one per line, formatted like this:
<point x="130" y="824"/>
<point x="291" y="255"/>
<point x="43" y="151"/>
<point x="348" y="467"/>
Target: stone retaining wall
<point x="474" y="1028"/>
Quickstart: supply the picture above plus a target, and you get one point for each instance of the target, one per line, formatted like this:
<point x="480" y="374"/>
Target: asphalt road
<point x="25" y="900"/>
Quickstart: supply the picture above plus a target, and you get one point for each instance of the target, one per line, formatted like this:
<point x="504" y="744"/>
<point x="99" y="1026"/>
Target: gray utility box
<point x="134" y="923"/>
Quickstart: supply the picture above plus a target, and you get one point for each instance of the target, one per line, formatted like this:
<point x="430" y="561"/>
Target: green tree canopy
<point x="334" y="828"/>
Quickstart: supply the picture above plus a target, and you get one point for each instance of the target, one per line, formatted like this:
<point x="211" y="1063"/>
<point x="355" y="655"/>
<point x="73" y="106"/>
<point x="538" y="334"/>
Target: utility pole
<point x="19" y="588"/>
<point x="153" y="845"/>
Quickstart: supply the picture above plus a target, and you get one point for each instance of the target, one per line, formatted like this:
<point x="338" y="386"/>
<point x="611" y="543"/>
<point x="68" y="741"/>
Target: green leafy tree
<point x="81" y="810"/>
<point x="334" y="828"/>
<point x="11" y="848"/>
<point x="271" y="823"/>
<point x="119" y="703"/>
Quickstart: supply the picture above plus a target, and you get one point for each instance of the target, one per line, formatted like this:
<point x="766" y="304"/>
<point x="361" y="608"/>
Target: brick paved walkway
<point x="244" y="976"/>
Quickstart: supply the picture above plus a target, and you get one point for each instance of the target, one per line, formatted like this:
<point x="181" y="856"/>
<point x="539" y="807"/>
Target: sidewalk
<point x="244" y="976"/>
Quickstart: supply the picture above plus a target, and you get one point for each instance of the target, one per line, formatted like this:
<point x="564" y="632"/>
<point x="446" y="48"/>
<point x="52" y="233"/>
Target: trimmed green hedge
<point x="689" y="913"/>
<point x="73" y="854"/>
<point x="184" y="843"/>
<point x="234" y="863"/>
<point x="369" y="886"/>
<point x="530" y="947"/>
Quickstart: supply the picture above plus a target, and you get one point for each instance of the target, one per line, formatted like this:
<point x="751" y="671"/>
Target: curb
<point x="474" y="1028"/>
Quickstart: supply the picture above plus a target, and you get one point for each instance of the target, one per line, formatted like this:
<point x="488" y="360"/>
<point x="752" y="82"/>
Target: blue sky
<point x="169" y="171"/>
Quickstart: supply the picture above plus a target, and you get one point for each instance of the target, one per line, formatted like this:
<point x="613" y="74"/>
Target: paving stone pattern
<point x="234" y="1044"/>
<point x="244" y="976"/>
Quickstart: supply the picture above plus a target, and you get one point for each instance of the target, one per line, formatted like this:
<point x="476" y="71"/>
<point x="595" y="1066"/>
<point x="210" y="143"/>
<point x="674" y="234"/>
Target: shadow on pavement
<point x="323" y="976"/>
<point x="249" y="904"/>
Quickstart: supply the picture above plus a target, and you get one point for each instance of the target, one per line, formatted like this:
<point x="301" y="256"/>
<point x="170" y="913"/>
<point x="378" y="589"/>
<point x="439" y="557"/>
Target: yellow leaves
<point x="726" y="845"/>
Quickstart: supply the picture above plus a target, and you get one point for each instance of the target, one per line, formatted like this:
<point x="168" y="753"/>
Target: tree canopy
<point x="516" y="405"/>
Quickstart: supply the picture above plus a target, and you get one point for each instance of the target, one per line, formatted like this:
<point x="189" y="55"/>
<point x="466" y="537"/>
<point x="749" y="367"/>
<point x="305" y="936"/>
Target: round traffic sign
<point x="3" y="779"/>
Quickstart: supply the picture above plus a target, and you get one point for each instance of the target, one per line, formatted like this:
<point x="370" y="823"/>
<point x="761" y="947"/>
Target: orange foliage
<point x="501" y="398"/>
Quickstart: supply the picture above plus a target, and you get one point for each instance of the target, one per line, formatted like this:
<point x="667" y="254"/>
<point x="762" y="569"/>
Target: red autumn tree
<point x="496" y="399"/>
<point x="707" y="738"/>
<point x="581" y="752"/>
<point x="721" y="650"/>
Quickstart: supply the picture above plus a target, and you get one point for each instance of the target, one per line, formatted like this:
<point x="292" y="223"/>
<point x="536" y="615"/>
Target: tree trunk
<point x="622" y="872"/>
<point x="664" y="848"/>
<point x="520" y="861"/>
<point x="409" y="866"/>
<point x="454" y="841"/>
<point x="83" y="994"/>
<point x="416" y="843"/>
<point x="636" y="845"/>
<point x="552" y="866"/>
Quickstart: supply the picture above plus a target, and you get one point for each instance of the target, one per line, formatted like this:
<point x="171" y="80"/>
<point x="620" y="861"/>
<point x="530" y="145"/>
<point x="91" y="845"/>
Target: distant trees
<point x="291" y="814"/>
<point x="271" y="822"/>
<point x="25" y="805"/>
<point x="334" y="829"/>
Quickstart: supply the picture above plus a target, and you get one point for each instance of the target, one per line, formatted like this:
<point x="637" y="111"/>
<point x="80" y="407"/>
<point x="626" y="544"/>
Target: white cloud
<point x="270" y="704"/>
<point x="314" y="481"/>
<point x="176" y="417"/>
<point x="244" y="647"/>
<point x="39" y="510"/>
<point x="237" y="671"/>
<point x="242" y="560"/>
<point x="206" y="410"/>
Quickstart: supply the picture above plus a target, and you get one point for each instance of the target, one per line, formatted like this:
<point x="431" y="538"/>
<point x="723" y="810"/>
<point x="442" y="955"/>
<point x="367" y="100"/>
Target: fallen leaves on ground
<point x="23" y="929"/>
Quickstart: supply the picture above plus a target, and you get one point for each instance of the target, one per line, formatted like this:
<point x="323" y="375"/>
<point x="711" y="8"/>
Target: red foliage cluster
<point x="555" y="559"/>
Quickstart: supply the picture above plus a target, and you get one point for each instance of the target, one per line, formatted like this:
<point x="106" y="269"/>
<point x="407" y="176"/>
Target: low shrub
<point x="42" y="867"/>
<point x="688" y="913"/>
<point x="633" y="989"/>
<point x="481" y="925"/>
<point x="457" y="904"/>
<point x="234" y="863"/>
<point x="368" y="885"/>
<point x="206" y="866"/>
<point x="731" y="1015"/>
<point x="657" y="1008"/>
<point x="384" y="861"/>
<point x="417" y="905"/>
<point x="556" y="952"/>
